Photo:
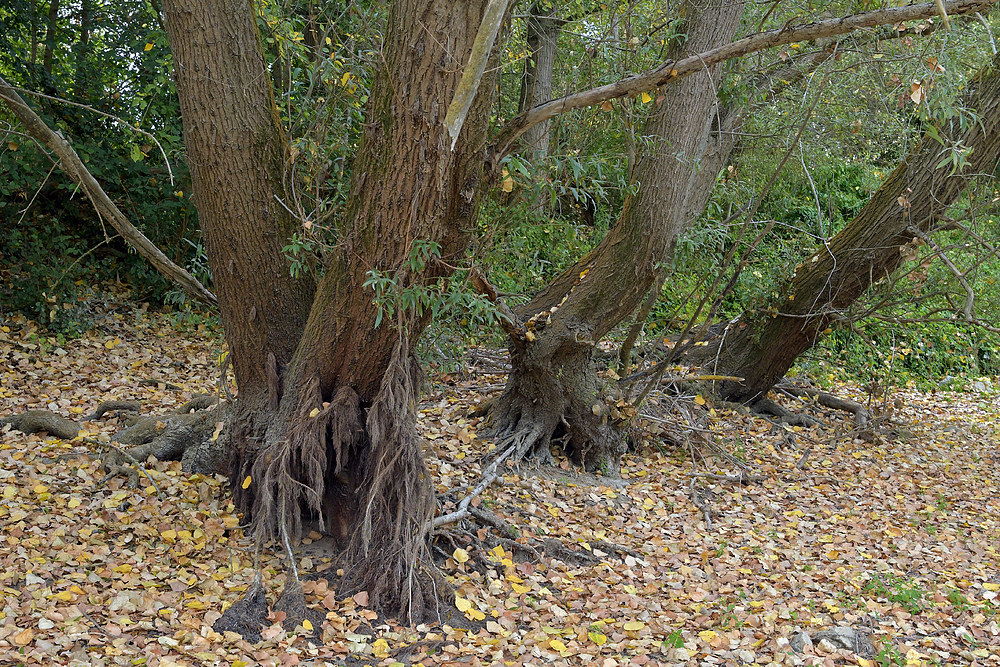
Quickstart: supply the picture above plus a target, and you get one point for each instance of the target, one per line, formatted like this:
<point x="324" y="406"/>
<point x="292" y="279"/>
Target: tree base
<point x="554" y="396"/>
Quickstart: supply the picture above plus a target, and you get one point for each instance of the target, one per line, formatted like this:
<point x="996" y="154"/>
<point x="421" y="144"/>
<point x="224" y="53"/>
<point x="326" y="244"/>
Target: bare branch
<point x="672" y="70"/>
<point x="76" y="170"/>
<point x="469" y="85"/>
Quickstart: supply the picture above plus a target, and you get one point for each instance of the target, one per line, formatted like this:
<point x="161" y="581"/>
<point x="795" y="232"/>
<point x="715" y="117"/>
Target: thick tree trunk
<point x="327" y="399"/>
<point x="553" y="390"/>
<point x="762" y="346"/>
<point x="237" y="153"/>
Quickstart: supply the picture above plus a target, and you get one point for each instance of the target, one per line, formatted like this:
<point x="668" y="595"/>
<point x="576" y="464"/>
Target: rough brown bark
<point x="237" y="153"/>
<point x="553" y="389"/>
<point x="762" y="346"/>
<point x="325" y="414"/>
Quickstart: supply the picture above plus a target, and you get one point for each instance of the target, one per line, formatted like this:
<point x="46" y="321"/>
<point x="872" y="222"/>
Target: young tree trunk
<point x="330" y="424"/>
<point x="553" y="390"/>
<point x="541" y="36"/>
<point x="762" y="346"/>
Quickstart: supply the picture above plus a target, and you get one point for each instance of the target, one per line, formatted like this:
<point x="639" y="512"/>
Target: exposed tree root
<point x="388" y="554"/>
<point x="113" y="406"/>
<point x="827" y="400"/>
<point x="38" y="421"/>
<point x="766" y="406"/>
<point x="191" y="438"/>
<point x="247" y="615"/>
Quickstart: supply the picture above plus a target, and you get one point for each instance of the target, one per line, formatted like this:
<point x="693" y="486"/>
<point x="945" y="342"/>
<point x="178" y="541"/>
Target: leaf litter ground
<point x="898" y="538"/>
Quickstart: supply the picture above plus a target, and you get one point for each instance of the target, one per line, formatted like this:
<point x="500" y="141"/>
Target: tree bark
<point x="237" y="153"/>
<point x="337" y="434"/>
<point x="51" y="30"/>
<point x="553" y="390"/>
<point x="762" y="346"/>
<point x="541" y="36"/>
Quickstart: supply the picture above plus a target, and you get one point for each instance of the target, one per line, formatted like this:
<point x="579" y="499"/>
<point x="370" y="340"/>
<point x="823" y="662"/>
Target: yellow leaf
<point x="112" y="343"/>
<point x="240" y="663"/>
<point x="557" y="645"/>
<point x="123" y="569"/>
<point x="40" y="489"/>
<point x="632" y="626"/>
<point x="246" y="482"/>
<point x="344" y="80"/>
<point x="554" y="511"/>
<point x="583" y="274"/>
<point x="12" y="145"/>
<point x="476" y="615"/>
<point x="598" y="638"/>
<point x="307" y="625"/>
<point x="168" y="536"/>
<point x="194" y="604"/>
<point x="519" y="589"/>
<point x="707" y="635"/>
<point x="73" y="502"/>
<point x="9" y="492"/>
<point x="313" y="413"/>
<point x="529" y="335"/>
<point x="24" y="637"/>
<point x="699" y="399"/>
<point x="462" y="604"/>
<point x="179" y="193"/>
<point x="148" y="46"/>
<point x="64" y="596"/>
<point x="380" y="649"/>
<point x="460" y="555"/>
<point x="646" y="99"/>
<point x="508" y="184"/>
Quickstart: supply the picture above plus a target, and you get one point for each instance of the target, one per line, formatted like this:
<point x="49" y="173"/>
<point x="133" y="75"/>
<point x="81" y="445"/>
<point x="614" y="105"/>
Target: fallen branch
<point x="731" y="479"/>
<point x="489" y="475"/>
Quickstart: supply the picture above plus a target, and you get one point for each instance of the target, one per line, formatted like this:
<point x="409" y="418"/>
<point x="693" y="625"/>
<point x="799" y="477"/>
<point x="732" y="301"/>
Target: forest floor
<point x="894" y="541"/>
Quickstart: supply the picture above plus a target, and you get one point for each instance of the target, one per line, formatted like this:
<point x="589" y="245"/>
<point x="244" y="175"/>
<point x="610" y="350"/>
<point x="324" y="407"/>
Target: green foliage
<point x="118" y="66"/>
<point x="903" y="591"/>
<point x="523" y="251"/>
<point x="396" y="295"/>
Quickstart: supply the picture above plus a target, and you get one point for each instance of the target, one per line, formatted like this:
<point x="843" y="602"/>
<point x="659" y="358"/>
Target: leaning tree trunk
<point x="553" y="390"/>
<point x="762" y="346"/>
<point x="330" y="427"/>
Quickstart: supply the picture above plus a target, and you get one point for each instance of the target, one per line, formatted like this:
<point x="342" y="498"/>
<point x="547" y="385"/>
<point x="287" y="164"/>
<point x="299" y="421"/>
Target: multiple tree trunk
<point x="325" y="416"/>
<point x="324" y="423"/>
